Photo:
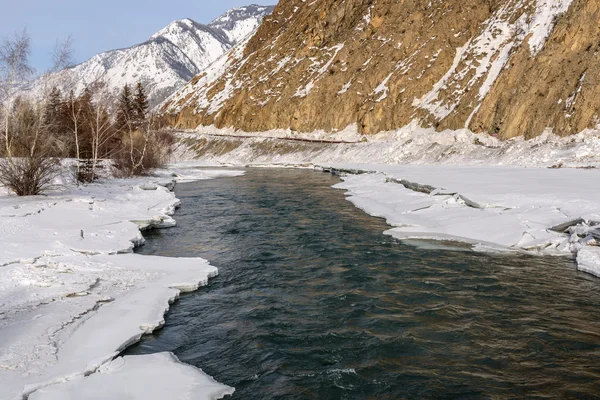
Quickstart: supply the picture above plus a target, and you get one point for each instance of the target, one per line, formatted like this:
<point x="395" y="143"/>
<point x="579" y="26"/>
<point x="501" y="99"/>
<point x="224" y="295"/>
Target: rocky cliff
<point x="506" y="67"/>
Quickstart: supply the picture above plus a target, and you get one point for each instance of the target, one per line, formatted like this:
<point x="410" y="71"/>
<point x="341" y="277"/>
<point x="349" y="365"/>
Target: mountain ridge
<point x="164" y="62"/>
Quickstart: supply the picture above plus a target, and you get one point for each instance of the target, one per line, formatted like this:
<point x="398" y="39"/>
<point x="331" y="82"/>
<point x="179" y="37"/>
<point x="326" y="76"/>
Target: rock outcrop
<point x="506" y="67"/>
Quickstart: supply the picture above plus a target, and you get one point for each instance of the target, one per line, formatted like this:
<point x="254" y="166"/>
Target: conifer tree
<point x="53" y="110"/>
<point x="140" y="102"/>
<point x="125" y="111"/>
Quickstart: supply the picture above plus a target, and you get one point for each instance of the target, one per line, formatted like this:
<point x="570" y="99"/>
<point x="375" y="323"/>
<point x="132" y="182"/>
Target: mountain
<point x="166" y="61"/>
<point x="506" y="67"/>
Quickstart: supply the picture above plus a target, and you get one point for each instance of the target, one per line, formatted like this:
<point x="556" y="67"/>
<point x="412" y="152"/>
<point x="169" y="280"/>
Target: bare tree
<point x="14" y="70"/>
<point x="62" y="55"/>
<point x="75" y="114"/>
<point x="130" y="158"/>
<point x="143" y="148"/>
<point x="101" y="128"/>
<point x="31" y="169"/>
<point x="29" y="166"/>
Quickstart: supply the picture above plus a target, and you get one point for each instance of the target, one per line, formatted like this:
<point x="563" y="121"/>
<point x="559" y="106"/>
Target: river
<point x="314" y="302"/>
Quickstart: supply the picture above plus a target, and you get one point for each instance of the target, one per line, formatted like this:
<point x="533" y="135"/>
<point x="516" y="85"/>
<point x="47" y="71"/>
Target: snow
<point x="382" y="89"/>
<point x="485" y="55"/>
<point x="546" y="12"/>
<point x="504" y="207"/>
<point x="314" y="76"/>
<point x="156" y="376"/>
<point x="345" y="88"/>
<point x="349" y="134"/>
<point x="240" y="22"/>
<point x="588" y="260"/>
<point x="413" y="144"/>
<point x="201" y="87"/>
<point x="430" y="101"/>
<point x="72" y="295"/>
<point x="480" y="61"/>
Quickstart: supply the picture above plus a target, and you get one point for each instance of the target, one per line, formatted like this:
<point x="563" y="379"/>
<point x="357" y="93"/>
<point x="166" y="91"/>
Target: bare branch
<point x="62" y="55"/>
<point x="14" y="71"/>
<point x="14" y="59"/>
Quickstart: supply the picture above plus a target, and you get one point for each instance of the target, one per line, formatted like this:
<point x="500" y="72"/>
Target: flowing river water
<point x="313" y="301"/>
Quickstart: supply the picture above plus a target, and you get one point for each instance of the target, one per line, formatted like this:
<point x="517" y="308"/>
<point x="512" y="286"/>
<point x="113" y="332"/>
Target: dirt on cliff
<point x="506" y="67"/>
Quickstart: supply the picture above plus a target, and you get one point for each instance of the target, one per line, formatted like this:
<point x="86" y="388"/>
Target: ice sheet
<point x="540" y="210"/>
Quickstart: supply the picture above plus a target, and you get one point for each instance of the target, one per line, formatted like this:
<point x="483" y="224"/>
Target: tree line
<point x="39" y="133"/>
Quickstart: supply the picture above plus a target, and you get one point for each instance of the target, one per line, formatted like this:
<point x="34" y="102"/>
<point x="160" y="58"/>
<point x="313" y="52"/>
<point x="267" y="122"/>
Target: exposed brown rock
<point x="558" y="88"/>
<point x="326" y="64"/>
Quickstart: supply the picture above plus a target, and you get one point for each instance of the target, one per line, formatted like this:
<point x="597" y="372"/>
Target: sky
<point x="100" y="25"/>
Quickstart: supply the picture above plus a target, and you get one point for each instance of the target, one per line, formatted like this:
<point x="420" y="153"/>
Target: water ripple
<point x="314" y="302"/>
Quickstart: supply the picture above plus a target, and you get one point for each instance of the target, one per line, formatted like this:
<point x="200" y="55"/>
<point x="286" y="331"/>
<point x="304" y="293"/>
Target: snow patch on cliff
<point x="479" y="62"/>
<point x="544" y="20"/>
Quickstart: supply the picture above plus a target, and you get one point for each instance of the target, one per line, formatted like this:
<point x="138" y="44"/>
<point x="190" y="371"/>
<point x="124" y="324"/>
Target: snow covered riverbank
<point x="537" y="210"/>
<point x="409" y="145"/>
<point x="72" y="296"/>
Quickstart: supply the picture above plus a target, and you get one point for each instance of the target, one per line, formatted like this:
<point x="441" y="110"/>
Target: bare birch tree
<point x="61" y="58"/>
<point x="75" y="114"/>
<point x="30" y="163"/>
<point x="14" y="71"/>
<point x="62" y="55"/>
<point x="101" y="128"/>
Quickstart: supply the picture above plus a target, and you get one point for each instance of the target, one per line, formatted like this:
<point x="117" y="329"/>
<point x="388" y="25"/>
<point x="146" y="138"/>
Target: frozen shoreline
<point x="533" y="210"/>
<point x="411" y="145"/>
<point x="72" y="296"/>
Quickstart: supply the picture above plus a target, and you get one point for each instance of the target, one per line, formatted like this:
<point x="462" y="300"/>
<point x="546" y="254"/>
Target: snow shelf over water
<point x="72" y="296"/>
<point x="156" y="376"/>
<point x="539" y="210"/>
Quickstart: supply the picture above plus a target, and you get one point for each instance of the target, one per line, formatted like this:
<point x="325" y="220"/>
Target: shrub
<point x="28" y="176"/>
<point x="141" y="152"/>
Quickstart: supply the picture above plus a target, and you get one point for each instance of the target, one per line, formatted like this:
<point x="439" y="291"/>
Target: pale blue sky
<point x="100" y="25"/>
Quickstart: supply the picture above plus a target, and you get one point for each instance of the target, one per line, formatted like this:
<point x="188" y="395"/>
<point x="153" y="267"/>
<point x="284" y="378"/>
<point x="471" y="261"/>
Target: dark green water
<point x="314" y="302"/>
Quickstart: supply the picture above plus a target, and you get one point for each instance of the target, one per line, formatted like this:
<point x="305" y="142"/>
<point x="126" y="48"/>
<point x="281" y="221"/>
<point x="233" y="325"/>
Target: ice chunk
<point x="157" y="376"/>
<point x="588" y="260"/>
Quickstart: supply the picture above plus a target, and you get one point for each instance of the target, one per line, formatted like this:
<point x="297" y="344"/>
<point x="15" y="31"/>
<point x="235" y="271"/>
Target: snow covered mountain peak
<point x="166" y="61"/>
<point x="238" y="23"/>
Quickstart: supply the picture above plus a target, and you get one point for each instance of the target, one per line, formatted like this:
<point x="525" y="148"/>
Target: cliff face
<point x="507" y="67"/>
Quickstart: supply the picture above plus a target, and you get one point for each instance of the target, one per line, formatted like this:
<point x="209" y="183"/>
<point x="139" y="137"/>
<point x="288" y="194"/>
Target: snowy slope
<point x="197" y="90"/>
<point x="238" y="23"/>
<point x="165" y="62"/>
